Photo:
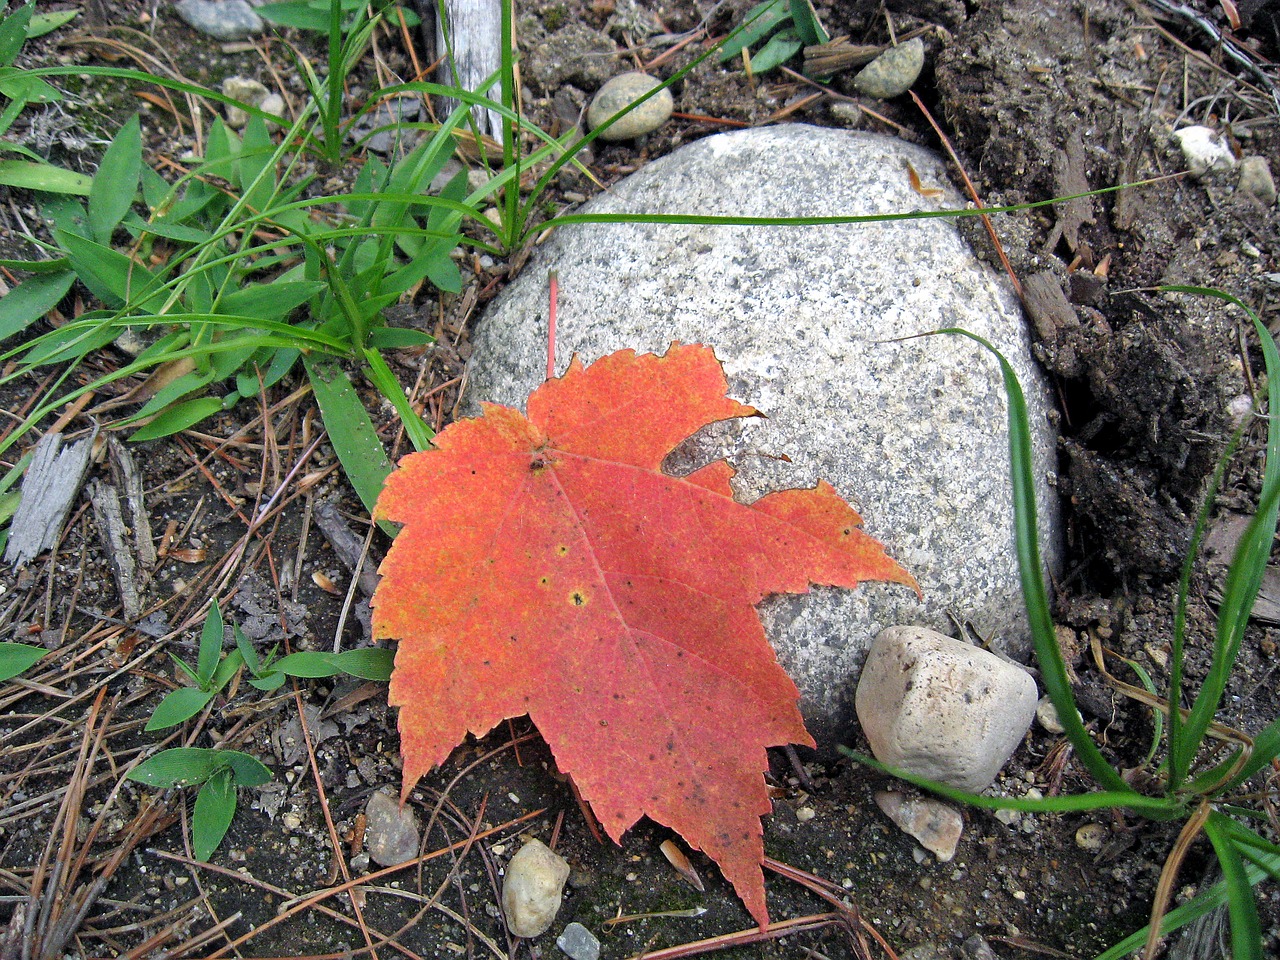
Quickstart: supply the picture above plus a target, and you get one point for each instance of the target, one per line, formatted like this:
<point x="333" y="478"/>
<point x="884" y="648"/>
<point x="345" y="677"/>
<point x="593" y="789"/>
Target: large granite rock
<point x="912" y="433"/>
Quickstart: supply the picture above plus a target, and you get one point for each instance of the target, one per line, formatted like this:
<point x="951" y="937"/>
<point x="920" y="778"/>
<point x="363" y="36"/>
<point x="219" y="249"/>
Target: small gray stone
<point x="391" y="834"/>
<point x="935" y="824"/>
<point x="941" y="708"/>
<point x="221" y="19"/>
<point x="532" y="888"/>
<point x="893" y="72"/>
<point x="622" y="91"/>
<point x="1255" y="179"/>
<point x="579" y="943"/>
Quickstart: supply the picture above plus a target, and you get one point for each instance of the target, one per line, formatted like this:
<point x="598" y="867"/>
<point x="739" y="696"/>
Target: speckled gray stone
<point x="622" y="91"/>
<point x="893" y="72"/>
<point x="220" y="19"/>
<point x="578" y="943"/>
<point x="391" y="830"/>
<point x="942" y="708"/>
<point x="912" y="433"/>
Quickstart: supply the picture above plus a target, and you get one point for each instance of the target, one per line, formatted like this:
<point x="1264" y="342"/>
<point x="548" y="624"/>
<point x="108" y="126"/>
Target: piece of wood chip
<point x="50" y="487"/>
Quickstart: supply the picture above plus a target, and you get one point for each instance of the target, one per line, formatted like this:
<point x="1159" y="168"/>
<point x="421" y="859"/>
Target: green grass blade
<point x="1266" y="747"/>
<point x="13" y="32"/>
<point x="181" y="416"/>
<point x="1027" y="540"/>
<point x="1246" y="929"/>
<point x="350" y="429"/>
<point x="214" y="810"/>
<point x="178" y="706"/>
<point x="1206" y="901"/>
<point x="29" y="175"/>
<point x="1181" y="748"/>
<point x="1244" y="576"/>
<point x="115" y="185"/>
<point x="420" y="435"/>
<point x="176" y="767"/>
<point x="367" y="663"/>
<point x="1155" y="808"/>
<point x="30" y="300"/>
<point x="211" y="636"/>
<point x="249" y="771"/>
<point x="758" y="23"/>
<point x="17" y="657"/>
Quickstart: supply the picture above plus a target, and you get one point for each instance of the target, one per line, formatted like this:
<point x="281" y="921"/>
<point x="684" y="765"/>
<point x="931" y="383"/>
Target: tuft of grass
<point x="1192" y="781"/>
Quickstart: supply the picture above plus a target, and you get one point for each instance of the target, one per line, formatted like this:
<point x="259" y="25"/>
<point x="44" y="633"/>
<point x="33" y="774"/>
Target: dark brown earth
<point x="1040" y="99"/>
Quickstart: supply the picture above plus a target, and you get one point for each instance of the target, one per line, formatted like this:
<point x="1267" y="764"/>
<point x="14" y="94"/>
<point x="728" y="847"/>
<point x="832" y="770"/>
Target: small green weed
<point x="220" y="772"/>
<point x="789" y="25"/>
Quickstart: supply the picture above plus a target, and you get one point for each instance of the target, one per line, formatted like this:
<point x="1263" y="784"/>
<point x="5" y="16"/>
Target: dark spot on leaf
<point x="604" y="723"/>
<point x="848" y="531"/>
<point x="562" y="549"/>
<point x="578" y="598"/>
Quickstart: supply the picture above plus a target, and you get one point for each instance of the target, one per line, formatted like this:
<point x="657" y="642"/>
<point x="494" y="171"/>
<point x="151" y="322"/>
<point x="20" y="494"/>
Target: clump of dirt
<point x="1040" y="100"/>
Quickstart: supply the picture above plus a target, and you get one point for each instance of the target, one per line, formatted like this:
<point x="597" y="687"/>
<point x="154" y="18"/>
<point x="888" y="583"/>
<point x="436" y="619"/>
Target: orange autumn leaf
<point x="547" y="566"/>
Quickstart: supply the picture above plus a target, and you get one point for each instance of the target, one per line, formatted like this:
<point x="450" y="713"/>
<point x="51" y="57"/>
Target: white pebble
<point x="532" y="889"/>
<point x="1205" y="151"/>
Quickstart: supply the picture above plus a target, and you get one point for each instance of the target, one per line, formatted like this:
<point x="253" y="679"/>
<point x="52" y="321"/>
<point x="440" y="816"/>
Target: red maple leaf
<point x="548" y="567"/>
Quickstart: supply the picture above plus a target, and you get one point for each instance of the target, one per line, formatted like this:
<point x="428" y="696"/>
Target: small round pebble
<point x="391" y="834"/>
<point x="619" y="93"/>
<point x="221" y="19"/>
<point x="1047" y="716"/>
<point x="578" y="943"/>
<point x="893" y="72"/>
<point x="1090" y="836"/>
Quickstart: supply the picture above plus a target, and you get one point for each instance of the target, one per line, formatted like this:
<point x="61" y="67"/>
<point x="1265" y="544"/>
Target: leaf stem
<point x="553" y="281"/>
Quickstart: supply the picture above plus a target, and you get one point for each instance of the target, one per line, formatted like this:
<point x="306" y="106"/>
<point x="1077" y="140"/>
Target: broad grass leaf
<point x="363" y="458"/>
<point x="270" y="301"/>
<point x="759" y="22"/>
<point x="547" y="566"/>
<point x="112" y="277"/>
<point x="178" y="706"/>
<point x="17" y="657"/>
<point x="30" y="300"/>
<point x="214" y="810"/>
<point x="177" y="767"/>
<point x="29" y="175"/>
<point x="780" y="48"/>
<point x="178" y="418"/>
<point x="115" y="185"/>
<point x="43" y="23"/>
<point x="249" y="771"/>
<point x="13" y="32"/>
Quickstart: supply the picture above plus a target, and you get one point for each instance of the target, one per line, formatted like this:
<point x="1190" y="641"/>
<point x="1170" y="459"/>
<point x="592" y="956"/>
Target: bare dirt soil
<point x="1039" y="99"/>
